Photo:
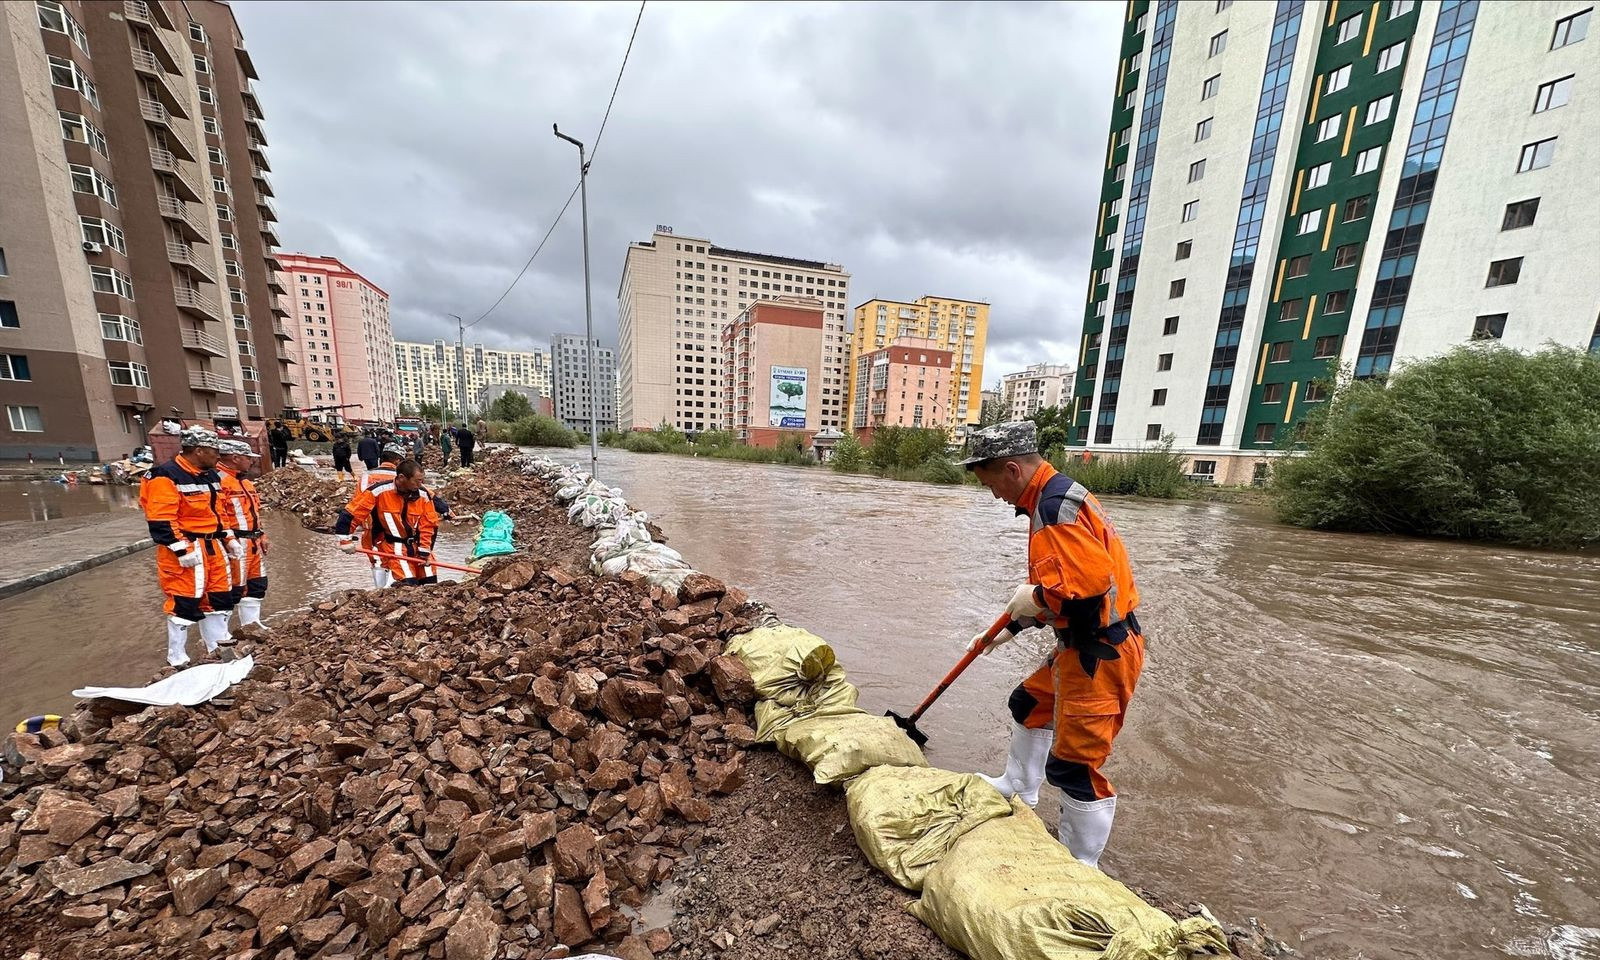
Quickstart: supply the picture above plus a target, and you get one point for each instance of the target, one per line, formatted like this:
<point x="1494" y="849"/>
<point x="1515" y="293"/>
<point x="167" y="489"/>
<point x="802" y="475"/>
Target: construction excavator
<point x="313" y="429"/>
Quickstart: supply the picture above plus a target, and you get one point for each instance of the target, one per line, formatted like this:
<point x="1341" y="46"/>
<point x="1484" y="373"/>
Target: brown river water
<point x="1379" y="747"/>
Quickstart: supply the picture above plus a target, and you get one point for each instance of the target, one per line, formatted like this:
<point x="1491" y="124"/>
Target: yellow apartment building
<point x="960" y="326"/>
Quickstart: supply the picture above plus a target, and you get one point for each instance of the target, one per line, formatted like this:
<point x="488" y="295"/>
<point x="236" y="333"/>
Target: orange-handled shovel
<point x="428" y="562"/>
<point x="909" y="724"/>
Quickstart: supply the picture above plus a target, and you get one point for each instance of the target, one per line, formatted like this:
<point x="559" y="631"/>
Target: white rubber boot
<point x="381" y="577"/>
<point x="214" y="630"/>
<point x="1024" y="764"/>
<point x="250" y="612"/>
<point x="177" y="642"/>
<point x="1085" y="827"/>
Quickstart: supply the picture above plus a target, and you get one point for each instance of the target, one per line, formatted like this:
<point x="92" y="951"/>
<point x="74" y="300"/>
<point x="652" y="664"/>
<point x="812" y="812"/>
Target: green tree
<point x="537" y="430"/>
<point x="791" y="389"/>
<point x="510" y="406"/>
<point x="992" y="412"/>
<point x="1054" y="425"/>
<point x="848" y="455"/>
<point x="1483" y="442"/>
<point x="430" y="411"/>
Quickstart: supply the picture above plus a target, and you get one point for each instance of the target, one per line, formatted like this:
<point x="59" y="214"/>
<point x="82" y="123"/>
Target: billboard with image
<point x="787" y="405"/>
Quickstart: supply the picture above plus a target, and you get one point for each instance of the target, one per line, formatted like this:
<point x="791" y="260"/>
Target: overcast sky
<point x="944" y="149"/>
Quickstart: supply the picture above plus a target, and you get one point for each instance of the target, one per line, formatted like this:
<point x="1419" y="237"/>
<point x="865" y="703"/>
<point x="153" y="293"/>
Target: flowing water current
<point x="1380" y="747"/>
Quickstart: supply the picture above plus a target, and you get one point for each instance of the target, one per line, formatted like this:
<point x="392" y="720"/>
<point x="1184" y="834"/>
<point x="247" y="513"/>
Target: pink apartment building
<point x="342" y="343"/>
<point x="906" y="383"/>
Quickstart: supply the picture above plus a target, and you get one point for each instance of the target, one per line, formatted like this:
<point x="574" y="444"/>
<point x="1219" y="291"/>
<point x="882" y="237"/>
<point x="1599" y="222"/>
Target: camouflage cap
<point x="394" y="449"/>
<point x="236" y="448"/>
<point x="197" y="437"/>
<point x="1015" y="438"/>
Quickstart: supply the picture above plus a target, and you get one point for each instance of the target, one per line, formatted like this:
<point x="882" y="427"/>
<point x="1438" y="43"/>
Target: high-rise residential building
<point x="905" y="384"/>
<point x="1026" y="392"/>
<point x="569" y="383"/>
<point x="343" y="344"/>
<point x="433" y="372"/>
<point x="960" y="326"/>
<point x="676" y="296"/>
<point x="1291" y="188"/>
<point x="137" y="236"/>
<point x="773" y="359"/>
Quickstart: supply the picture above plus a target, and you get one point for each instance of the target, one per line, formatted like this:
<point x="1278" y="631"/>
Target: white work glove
<point x="190" y="560"/>
<point x="1023" y="607"/>
<point x="1003" y="637"/>
<point x="237" y="549"/>
<point x="347" y="544"/>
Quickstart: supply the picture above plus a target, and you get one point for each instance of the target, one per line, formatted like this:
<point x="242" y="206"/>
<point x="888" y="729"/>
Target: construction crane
<point x="309" y="429"/>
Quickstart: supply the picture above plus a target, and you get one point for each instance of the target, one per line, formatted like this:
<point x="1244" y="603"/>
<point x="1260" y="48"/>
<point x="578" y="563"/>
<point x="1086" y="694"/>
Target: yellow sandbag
<point x="906" y="818"/>
<point x="1008" y="890"/>
<point x="839" y="746"/>
<point x="785" y="662"/>
<point x="833" y="696"/>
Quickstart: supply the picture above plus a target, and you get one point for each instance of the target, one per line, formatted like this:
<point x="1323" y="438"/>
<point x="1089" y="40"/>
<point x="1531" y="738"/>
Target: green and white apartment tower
<point x="1293" y="187"/>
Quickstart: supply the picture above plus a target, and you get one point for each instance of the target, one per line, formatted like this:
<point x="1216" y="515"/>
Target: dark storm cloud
<point x="941" y="149"/>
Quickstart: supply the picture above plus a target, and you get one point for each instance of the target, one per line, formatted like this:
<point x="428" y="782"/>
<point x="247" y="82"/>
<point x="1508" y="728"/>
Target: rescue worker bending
<point x="403" y="523"/>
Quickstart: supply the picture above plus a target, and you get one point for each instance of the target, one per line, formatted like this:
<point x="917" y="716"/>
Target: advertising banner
<point x="787" y="405"/>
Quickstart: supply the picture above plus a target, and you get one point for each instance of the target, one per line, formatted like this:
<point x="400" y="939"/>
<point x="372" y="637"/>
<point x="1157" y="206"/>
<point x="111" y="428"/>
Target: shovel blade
<point x="910" y="727"/>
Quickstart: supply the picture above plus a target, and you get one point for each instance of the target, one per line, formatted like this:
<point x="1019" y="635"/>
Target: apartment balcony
<point x="183" y="256"/>
<point x="279" y="310"/>
<point x="146" y="63"/>
<point x="176" y="137"/>
<point x="269" y="234"/>
<point x="188" y="224"/>
<point x="153" y="14"/>
<point x="281" y="332"/>
<point x="245" y="63"/>
<point x="196" y="304"/>
<point x="258" y="153"/>
<point x="287" y="379"/>
<point x="273" y="283"/>
<point x="256" y="128"/>
<point x="284" y="357"/>
<point x="203" y="343"/>
<point x="251" y="101"/>
<point x="164" y="161"/>
<point x="207" y="382"/>
<point x="263" y="182"/>
<point x="269" y="210"/>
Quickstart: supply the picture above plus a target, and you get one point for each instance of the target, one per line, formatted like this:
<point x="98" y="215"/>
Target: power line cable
<point x="571" y="196"/>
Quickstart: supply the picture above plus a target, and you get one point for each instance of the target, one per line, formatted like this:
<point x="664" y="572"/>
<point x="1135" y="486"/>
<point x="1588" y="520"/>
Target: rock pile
<point x="315" y="500"/>
<point x="486" y="769"/>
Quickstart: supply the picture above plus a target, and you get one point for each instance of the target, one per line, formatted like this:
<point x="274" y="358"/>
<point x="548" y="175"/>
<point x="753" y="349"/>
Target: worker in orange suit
<point x="184" y="506"/>
<point x="377" y="480"/>
<point x="403" y="522"/>
<point x="1080" y="584"/>
<point x="243" y="515"/>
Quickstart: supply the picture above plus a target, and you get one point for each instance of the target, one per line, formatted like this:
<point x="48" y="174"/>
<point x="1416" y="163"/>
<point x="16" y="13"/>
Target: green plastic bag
<point x="1008" y="890"/>
<point x="907" y="818"/>
<point x="838" y="746"/>
<point x="494" y="536"/>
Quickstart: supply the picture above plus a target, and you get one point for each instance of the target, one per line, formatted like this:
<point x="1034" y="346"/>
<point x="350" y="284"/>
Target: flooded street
<point x="1379" y="747"/>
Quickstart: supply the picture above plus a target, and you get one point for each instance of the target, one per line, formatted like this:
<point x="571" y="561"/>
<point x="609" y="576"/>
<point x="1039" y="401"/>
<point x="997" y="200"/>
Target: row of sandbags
<point x="995" y="883"/>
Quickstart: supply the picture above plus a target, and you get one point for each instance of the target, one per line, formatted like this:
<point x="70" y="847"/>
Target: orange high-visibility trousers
<point x="190" y="591"/>
<point x="1086" y="712"/>
<point x="249" y="572"/>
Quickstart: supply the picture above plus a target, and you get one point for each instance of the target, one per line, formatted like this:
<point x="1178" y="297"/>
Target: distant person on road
<point x="467" y="440"/>
<point x="242" y="512"/>
<point x="341" y="457"/>
<point x="403" y="523"/>
<point x="418" y="439"/>
<point x="1080" y="584"/>
<point x="447" y="436"/>
<point x="367" y="449"/>
<point x="278" y="442"/>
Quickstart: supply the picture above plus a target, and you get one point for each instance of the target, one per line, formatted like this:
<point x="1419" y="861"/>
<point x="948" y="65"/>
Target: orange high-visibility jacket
<point x="182" y="502"/>
<point x="1075" y="557"/>
<point x="406" y="520"/>
<point x="241" y="507"/>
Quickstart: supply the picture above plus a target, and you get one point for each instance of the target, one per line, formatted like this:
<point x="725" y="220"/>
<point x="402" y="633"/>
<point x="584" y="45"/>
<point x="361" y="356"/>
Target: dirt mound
<point x="315" y="500"/>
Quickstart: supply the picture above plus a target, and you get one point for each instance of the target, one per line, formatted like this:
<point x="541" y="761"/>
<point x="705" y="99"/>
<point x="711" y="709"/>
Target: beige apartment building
<point x="676" y="296"/>
<point x="433" y="373"/>
<point x="343" y="343"/>
<point x="960" y="326"/>
<point x="1026" y="392"/>
<point x="138" y="231"/>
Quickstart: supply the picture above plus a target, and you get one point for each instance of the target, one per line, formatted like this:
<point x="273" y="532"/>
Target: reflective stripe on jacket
<point x="1075" y="556"/>
<point x="181" y="500"/>
<point x="406" y="519"/>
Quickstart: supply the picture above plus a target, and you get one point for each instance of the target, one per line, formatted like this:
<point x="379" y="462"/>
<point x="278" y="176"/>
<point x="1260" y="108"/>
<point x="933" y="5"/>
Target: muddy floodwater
<point x="1382" y="748"/>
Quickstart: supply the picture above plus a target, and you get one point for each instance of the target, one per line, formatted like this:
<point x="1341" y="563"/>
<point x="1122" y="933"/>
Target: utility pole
<point x="588" y="311"/>
<point x="461" y="364"/>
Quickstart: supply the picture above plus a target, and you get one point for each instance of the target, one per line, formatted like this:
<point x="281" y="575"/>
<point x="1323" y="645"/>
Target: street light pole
<point x="461" y="365"/>
<point x="591" y="347"/>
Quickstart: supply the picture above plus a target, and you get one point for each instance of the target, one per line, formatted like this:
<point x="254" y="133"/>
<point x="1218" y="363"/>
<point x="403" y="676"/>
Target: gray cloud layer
<point x="950" y="149"/>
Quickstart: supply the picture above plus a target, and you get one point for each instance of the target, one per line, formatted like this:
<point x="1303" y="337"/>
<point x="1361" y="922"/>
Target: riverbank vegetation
<point x="1482" y="443"/>
<point x="718" y="444"/>
<point x="900" y="453"/>
<point x="1155" y="472"/>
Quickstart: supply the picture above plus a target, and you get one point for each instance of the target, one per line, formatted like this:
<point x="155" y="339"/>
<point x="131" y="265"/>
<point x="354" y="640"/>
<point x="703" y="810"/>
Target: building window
<point x="1163" y="362"/>
<point x="1191" y="210"/>
<point x="1223" y="5"/>
<point x="1330" y="127"/>
<point x="1204" y="468"/>
<point x="1185" y="248"/>
<point x="1176" y="290"/>
<point x="1346" y="255"/>
<point x="1210" y="87"/>
<point x="1556" y="93"/>
<point x="228" y="242"/>
<point x="117" y="327"/>
<point x="126" y="374"/>
<point x="1219" y="43"/>
<point x="1356" y="208"/>
<point x="224" y="214"/>
<point x="1503" y="273"/>
<point x="107" y="280"/>
<point x="219" y="185"/>
<point x="1316" y="392"/>
<point x="1264" y="432"/>
<point x="1291" y="310"/>
<point x="67" y="73"/>
<point x="89" y="180"/>
<point x="1202" y="130"/>
<point x="1368" y="160"/>
<point x="1310" y="221"/>
<point x="1391" y="56"/>
<point x="1337" y="301"/>
<point x="1317" y="176"/>
<point x="197" y="33"/>
<point x="1537" y="155"/>
<point x="1520" y="214"/>
<point x="3" y="270"/>
<point x="1272" y="393"/>
<point x="14" y="366"/>
<point x="1349" y="28"/>
<point x="8" y="315"/>
<point x="1299" y="266"/>
<point x="1379" y="109"/>
<point x="1489" y="326"/>
<point x="1120" y="174"/>
<point x="1338" y="80"/>
<point x="1169" y="326"/>
<point x="1571" y="29"/>
<point x="201" y="65"/>
<point x="52" y="16"/>
<point x="1197" y="170"/>
<point x="1159" y="398"/>
<point x="205" y="94"/>
<point x="25" y="419"/>
<point x="1152" y="431"/>
<point x="1279" y="352"/>
<point x="1325" y="347"/>
<point x="78" y="128"/>
<point x="214" y="154"/>
<point x="1399" y="8"/>
<point x="102" y="232"/>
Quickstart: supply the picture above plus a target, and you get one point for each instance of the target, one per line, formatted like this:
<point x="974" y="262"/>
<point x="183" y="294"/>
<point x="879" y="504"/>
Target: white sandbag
<point x="184" y="688"/>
